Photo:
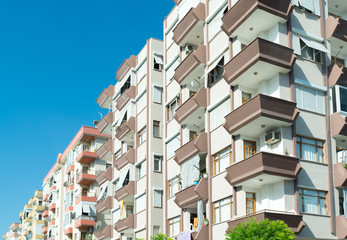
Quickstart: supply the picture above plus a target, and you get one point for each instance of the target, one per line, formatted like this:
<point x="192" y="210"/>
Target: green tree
<point x="160" y="236"/>
<point x="262" y="230"/>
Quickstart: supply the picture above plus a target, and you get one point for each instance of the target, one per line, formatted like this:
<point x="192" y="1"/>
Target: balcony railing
<point x="85" y="221"/>
<point x="105" y="176"/>
<point x="104" y="233"/>
<point x="85" y="177"/>
<point x="340" y="175"/>
<point x="125" y="97"/>
<point x="125" y="67"/>
<point x="341" y="227"/>
<point x="104" y="204"/>
<point x="105" y="98"/>
<point x="128" y="157"/>
<point x="125" y="191"/>
<point x="336" y="28"/>
<point x="338" y="125"/>
<point x="125" y="224"/>
<point x="105" y="151"/>
<point x="337" y="75"/>
<point x="105" y="124"/>
<point x="192" y="194"/>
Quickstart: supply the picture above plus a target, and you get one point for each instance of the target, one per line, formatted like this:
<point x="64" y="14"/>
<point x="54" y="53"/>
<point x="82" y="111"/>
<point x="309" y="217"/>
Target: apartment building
<point x="70" y="188"/>
<point x="31" y="219"/>
<point x="255" y="116"/>
<point x="13" y="233"/>
<point x="132" y="190"/>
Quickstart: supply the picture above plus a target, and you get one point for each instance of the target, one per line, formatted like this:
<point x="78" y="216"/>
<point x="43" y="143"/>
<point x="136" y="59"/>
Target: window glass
<point x="343" y="99"/>
<point x="141" y="103"/>
<point x="157" y="163"/>
<point x="222" y="210"/>
<point x="157" y="198"/>
<point x="221" y="160"/>
<point x="141" y="203"/>
<point x="157" y="92"/>
<point x="309" y="98"/>
<point x="217" y="115"/>
<point x="312" y="201"/>
<point x="310" y="149"/>
<point x="172" y="146"/>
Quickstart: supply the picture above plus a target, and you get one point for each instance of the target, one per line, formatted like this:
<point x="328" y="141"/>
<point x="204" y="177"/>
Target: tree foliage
<point x="262" y="230"/>
<point x="160" y="236"/>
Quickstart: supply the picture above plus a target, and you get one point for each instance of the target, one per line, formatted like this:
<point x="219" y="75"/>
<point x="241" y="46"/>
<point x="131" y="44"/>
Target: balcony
<point x="52" y="207"/>
<point x="125" y="192"/>
<point x="337" y="76"/>
<point x="88" y="198"/>
<point x="86" y="157"/>
<point x="124" y="98"/>
<point x="45" y="214"/>
<point x="191" y="28"/>
<point x="125" y="224"/>
<point x="187" y="198"/>
<point x="202" y="234"/>
<point x="85" y="178"/>
<point x="340" y="175"/>
<point x="192" y="67"/>
<point x="262" y="113"/>
<point x="188" y="150"/>
<point x="190" y="111"/>
<point x="248" y="18"/>
<point x="105" y="176"/>
<point x="177" y="2"/>
<point x="336" y="29"/>
<point x="105" y="98"/>
<point x="126" y="130"/>
<point x="106" y="204"/>
<point x="259" y="61"/>
<point x="294" y="222"/>
<point x="341" y="226"/>
<point x="85" y="222"/>
<point x="105" y="124"/>
<point x="104" y="233"/>
<point x="44" y="230"/>
<point x="51" y="223"/>
<point x="125" y="67"/>
<point x="338" y="126"/>
<point x="128" y="157"/>
<point x="68" y="231"/>
<point x="262" y="168"/>
<point x="45" y="197"/>
<point x="38" y="208"/>
<point x="105" y="151"/>
<point x="70" y="168"/>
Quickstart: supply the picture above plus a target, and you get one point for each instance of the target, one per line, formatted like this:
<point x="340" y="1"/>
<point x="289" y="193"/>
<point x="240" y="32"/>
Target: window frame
<point x="214" y="75"/>
<point x="171" y="222"/>
<point x="142" y="135"/>
<point x="171" y="183"/>
<point x="160" y="192"/>
<point x="215" y="208"/>
<point x="160" y="162"/>
<point x="311" y="53"/>
<point x="253" y="201"/>
<point x="156" y="125"/>
<point x="171" y="110"/>
<point x="299" y="142"/>
<point x="216" y="158"/>
<point x="160" y="91"/>
<point x="301" y="198"/>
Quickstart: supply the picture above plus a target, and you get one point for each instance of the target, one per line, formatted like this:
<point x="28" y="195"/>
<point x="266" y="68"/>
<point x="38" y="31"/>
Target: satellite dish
<point x="98" y="225"/>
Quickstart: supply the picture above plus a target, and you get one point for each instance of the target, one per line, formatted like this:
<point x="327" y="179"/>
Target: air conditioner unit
<point x="187" y="49"/>
<point x="272" y="137"/>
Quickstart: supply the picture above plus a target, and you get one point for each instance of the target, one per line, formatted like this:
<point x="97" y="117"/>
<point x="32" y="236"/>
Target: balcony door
<point x="249" y="148"/>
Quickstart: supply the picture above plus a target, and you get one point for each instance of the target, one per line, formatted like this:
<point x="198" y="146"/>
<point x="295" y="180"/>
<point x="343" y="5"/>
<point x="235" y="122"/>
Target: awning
<point x="314" y="44"/>
<point x="158" y="59"/>
<point x="102" y="192"/>
<point x="122" y="174"/>
<point x="86" y="209"/>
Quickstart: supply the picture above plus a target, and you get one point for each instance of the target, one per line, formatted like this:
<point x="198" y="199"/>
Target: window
<point x="142" y="135"/>
<point x="310" y="53"/>
<point x="140" y="203"/>
<point x="157" y="163"/>
<point x="310" y="149"/>
<point x="338" y="61"/>
<point x="250" y="203"/>
<point x="142" y="71"/>
<point x="309" y="98"/>
<point x="246" y="97"/>
<point x="84" y="169"/>
<point x="174" y="226"/>
<point x="126" y="85"/>
<point x="174" y="186"/>
<point x="158" y="198"/>
<point x="156" y="230"/>
<point x="312" y="201"/>
<point x="215" y="24"/>
<point x="310" y="6"/>
<point x="141" y="170"/>
<point x="170" y="72"/>
<point x="39" y="217"/>
<point x="158" y="63"/>
<point x="215" y="74"/>
<point x="172" y="107"/>
<point x="141" y="102"/>
<point x="172" y="146"/>
<point x="249" y="148"/>
<point x="117" y="155"/>
<point x="84" y="192"/>
<point x="221" y="160"/>
<point x="156" y="129"/>
<point x="157" y="93"/>
<point x="339" y="99"/>
<point x="222" y="210"/>
<point x="218" y="113"/>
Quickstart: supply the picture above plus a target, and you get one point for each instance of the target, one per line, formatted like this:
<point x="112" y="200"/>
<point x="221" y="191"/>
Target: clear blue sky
<point x="55" y="59"/>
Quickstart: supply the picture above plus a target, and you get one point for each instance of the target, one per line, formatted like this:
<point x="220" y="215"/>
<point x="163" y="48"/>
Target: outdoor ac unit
<point x="272" y="137"/>
<point x="187" y="49"/>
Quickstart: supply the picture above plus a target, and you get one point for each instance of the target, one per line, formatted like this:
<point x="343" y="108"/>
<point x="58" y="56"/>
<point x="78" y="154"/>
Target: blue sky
<point x="55" y="59"/>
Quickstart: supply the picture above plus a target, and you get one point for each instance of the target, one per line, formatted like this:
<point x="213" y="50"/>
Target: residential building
<point x="252" y="99"/>
<point x="31" y="219"/>
<point x="13" y="233"/>
<point x="132" y="190"/>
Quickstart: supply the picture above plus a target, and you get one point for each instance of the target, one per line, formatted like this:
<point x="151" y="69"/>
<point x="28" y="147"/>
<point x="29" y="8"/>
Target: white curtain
<point x="141" y="203"/>
<point x="311" y="204"/>
<point x="172" y="146"/>
<point x="190" y="171"/>
<point x="142" y="71"/>
<point x="157" y="94"/>
<point x="122" y="174"/>
<point x="200" y="213"/>
<point x="141" y="103"/>
<point x="225" y="209"/>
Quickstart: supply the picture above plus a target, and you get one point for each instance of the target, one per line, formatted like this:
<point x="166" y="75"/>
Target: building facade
<point x="241" y="111"/>
<point x="13" y="233"/>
